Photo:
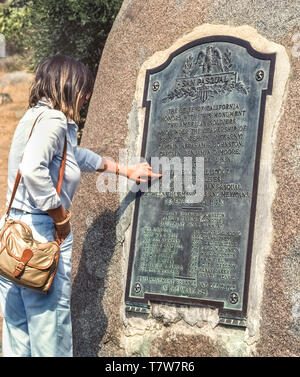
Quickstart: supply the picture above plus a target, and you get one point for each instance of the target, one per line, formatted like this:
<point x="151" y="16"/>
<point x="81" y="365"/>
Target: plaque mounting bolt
<point x="155" y="86"/>
<point x="259" y="75"/>
<point x="233" y="298"/>
<point x="137" y="287"/>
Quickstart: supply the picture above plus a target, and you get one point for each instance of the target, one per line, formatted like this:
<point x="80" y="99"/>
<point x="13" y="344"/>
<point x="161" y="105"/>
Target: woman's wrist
<point x="58" y="214"/>
<point x="133" y="172"/>
<point x="65" y="220"/>
<point x="110" y="166"/>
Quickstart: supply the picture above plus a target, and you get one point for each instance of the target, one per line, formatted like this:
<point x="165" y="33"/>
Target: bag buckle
<point x="26" y="256"/>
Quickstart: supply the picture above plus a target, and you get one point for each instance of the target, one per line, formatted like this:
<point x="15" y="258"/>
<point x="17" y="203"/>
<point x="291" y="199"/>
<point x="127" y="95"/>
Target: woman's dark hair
<point x="64" y="81"/>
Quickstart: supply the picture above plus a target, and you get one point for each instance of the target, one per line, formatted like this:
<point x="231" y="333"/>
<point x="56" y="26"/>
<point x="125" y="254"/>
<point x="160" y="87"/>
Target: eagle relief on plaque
<point x="208" y="74"/>
<point x="192" y="232"/>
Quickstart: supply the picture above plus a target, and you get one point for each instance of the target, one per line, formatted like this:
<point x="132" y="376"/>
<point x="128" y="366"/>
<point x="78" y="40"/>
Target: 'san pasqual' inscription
<point x="206" y="76"/>
<point x="207" y="100"/>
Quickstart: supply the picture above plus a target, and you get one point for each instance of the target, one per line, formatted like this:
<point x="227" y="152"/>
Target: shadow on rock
<point x="88" y="316"/>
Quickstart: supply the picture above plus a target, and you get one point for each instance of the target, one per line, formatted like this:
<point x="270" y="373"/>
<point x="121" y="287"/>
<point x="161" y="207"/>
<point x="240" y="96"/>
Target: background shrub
<point x="14" y="23"/>
<point x="36" y="29"/>
<point x="40" y="28"/>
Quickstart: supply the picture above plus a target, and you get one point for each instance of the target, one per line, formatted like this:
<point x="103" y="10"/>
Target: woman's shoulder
<point x="53" y="114"/>
<point x="53" y="120"/>
<point x="44" y="112"/>
<point x="48" y="121"/>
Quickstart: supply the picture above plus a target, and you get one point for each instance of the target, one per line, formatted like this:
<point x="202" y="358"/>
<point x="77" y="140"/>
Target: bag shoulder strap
<point x="60" y="176"/>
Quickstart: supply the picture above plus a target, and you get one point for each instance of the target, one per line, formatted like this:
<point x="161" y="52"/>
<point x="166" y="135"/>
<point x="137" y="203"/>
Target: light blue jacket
<point x="41" y="160"/>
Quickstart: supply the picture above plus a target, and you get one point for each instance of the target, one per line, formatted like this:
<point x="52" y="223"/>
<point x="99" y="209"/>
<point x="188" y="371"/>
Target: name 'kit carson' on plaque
<point x="206" y="101"/>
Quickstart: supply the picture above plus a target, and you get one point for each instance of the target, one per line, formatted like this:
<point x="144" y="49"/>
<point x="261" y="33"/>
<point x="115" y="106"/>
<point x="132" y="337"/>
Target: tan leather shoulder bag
<point x="24" y="260"/>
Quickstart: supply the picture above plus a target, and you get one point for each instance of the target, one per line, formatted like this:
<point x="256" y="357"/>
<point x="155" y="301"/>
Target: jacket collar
<point x="44" y="102"/>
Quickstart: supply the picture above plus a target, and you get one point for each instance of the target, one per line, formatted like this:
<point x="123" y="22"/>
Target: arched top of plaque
<point x="213" y="65"/>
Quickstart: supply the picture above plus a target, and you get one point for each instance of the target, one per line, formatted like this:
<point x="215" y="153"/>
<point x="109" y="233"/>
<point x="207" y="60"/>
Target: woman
<point x="36" y="324"/>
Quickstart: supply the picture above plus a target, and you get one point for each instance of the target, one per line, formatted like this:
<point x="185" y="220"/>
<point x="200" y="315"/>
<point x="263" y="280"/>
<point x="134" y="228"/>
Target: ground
<point x="10" y="116"/>
<point x="11" y="113"/>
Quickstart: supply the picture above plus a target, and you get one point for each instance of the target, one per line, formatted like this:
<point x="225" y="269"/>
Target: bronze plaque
<point x="204" y="104"/>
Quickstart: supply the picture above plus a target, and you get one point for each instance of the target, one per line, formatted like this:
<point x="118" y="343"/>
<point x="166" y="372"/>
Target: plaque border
<point x="227" y="316"/>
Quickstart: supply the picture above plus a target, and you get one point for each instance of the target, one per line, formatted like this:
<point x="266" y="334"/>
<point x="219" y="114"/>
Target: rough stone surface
<point x="101" y="326"/>
<point x="273" y="19"/>
<point x="280" y="289"/>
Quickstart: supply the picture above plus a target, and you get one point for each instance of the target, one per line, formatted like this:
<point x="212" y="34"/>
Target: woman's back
<point x="41" y="161"/>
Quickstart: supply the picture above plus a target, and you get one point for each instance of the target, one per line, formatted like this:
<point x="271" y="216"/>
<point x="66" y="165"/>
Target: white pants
<point x="35" y="324"/>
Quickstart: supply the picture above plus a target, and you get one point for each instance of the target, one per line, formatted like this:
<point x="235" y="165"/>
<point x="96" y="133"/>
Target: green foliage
<point x="72" y="27"/>
<point x="36" y="29"/>
<point x="78" y="28"/>
<point x="14" y="22"/>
